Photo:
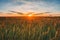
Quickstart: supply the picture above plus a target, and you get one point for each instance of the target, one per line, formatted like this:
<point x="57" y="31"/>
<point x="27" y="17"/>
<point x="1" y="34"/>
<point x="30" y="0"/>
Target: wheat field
<point x="23" y="28"/>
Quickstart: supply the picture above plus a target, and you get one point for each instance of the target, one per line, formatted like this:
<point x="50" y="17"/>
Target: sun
<point x="29" y="15"/>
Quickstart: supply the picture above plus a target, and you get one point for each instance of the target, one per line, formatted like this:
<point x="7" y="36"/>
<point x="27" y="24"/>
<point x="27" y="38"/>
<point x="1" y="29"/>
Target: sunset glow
<point x="29" y="15"/>
<point x="29" y="19"/>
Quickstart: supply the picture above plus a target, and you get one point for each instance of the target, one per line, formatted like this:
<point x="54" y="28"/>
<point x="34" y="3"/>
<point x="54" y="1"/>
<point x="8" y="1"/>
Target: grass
<point x="20" y="28"/>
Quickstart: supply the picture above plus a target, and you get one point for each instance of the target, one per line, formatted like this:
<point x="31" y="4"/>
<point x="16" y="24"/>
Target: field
<point x="27" y="28"/>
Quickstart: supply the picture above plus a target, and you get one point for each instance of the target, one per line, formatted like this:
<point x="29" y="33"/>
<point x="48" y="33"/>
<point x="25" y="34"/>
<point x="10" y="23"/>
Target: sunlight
<point x="29" y="15"/>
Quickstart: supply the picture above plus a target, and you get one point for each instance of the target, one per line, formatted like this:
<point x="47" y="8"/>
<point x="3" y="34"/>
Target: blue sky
<point x="30" y="5"/>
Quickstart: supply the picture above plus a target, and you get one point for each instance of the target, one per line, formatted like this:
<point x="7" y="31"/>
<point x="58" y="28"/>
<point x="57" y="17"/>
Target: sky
<point x="30" y="5"/>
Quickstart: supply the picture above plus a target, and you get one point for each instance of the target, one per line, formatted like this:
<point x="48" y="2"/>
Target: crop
<point x="20" y="28"/>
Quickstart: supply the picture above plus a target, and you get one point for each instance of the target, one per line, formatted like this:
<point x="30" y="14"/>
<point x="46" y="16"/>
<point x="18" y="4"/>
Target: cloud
<point x="27" y="5"/>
